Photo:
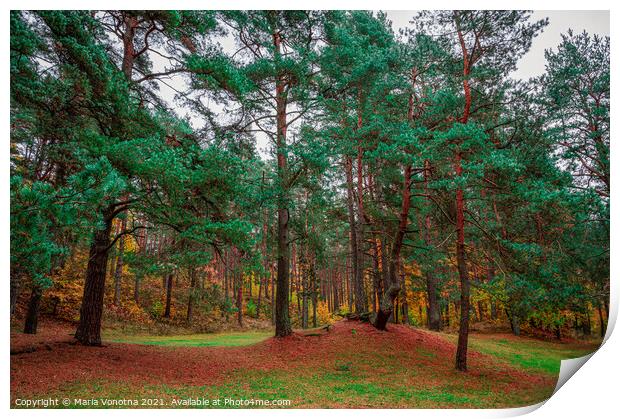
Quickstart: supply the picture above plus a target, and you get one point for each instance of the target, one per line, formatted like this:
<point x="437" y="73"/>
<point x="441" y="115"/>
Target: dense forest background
<point x="409" y="178"/>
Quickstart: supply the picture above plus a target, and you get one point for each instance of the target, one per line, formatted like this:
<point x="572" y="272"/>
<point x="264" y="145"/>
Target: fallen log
<point x="362" y="317"/>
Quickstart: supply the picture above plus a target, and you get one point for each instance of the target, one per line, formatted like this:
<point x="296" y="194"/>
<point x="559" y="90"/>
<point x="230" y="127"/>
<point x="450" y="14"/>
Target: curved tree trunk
<point x="386" y="308"/>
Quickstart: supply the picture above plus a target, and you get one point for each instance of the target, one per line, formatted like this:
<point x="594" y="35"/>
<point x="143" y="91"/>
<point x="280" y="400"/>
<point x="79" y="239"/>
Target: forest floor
<point x="351" y="365"/>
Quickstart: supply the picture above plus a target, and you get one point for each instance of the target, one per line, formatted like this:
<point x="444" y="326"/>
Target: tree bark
<point x="128" y="47"/>
<point x="168" y="295"/>
<point x="434" y="314"/>
<point x="361" y="302"/>
<point x="513" y="319"/>
<point x="32" y="317"/>
<point x="356" y="272"/>
<point x="386" y="307"/>
<point x="118" y="275"/>
<point x="304" y="306"/>
<point x="240" y="300"/>
<point x="192" y="295"/>
<point x="601" y="319"/>
<point x="15" y="288"/>
<point x="461" y="351"/>
<point x="393" y="288"/>
<point x="136" y="288"/>
<point x="89" y="328"/>
<point x="283" y="323"/>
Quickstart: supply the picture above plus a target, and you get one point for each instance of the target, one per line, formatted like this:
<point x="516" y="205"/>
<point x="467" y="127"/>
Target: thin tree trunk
<point x="602" y="322"/>
<point x="304" y="311"/>
<point x="283" y="323"/>
<point x="240" y="300"/>
<point x="273" y="297"/>
<point x="434" y="314"/>
<point x="118" y="275"/>
<point x="461" y="351"/>
<point x="404" y="304"/>
<point x="260" y="291"/>
<point x="356" y="274"/>
<point x="136" y="288"/>
<point x="361" y="302"/>
<point x="192" y="295"/>
<point x="168" y="295"/>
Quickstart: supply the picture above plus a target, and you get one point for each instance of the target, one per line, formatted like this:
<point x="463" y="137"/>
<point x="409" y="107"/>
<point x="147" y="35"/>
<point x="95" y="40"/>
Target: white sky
<point x="560" y="21"/>
<point x="531" y="65"/>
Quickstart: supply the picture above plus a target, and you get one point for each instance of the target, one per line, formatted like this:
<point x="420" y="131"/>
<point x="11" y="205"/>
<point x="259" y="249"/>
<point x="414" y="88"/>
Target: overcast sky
<point x="560" y="21"/>
<point x="531" y="65"/>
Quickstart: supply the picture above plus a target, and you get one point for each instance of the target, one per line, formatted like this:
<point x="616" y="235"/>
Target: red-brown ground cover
<point x="45" y="362"/>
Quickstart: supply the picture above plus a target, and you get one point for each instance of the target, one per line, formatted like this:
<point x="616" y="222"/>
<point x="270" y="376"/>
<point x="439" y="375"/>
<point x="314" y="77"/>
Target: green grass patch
<point x="208" y="339"/>
<point x="529" y="354"/>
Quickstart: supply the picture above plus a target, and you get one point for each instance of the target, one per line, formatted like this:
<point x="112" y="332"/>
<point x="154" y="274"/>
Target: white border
<point x="591" y="393"/>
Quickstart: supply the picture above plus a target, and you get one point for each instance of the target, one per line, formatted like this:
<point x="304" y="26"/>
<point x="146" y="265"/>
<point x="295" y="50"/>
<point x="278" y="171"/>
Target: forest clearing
<point x="316" y="208"/>
<point x="351" y="365"/>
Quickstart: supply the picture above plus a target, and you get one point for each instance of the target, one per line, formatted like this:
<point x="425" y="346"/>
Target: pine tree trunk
<point x="361" y="302"/>
<point x="480" y="311"/>
<point x="89" y="328"/>
<point x="304" y="312"/>
<point x="434" y="314"/>
<point x="192" y="295"/>
<point x="404" y="304"/>
<point x="582" y="324"/>
<point x="118" y="275"/>
<point x="32" y="317"/>
<point x="168" y="295"/>
<point x="283" y="323"/>
<point x="273" y="297"/>
<point x="131" y="22"/>
<point x="601" y="321"/>
<point x="260" y="291"/>
<point x="356" y="274"/>
<point x="493" y="304"/>
<point x="314" y="303"/>
<point x="335" y="294"/>
<point x="386" y="307"/>
<point x="240" y="300"/>
<point x="461" y="351"/>
<point x="15" y="288"/>
<point x="513" y="319"/>
<point x="136" y="288"/>
<point x="376" y="283"/>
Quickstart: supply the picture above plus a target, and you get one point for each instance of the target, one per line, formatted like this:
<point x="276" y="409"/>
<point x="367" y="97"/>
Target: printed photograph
<point x="281" y="209"/>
